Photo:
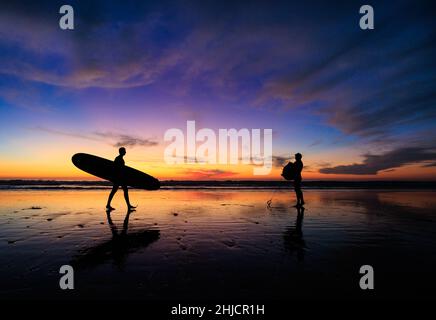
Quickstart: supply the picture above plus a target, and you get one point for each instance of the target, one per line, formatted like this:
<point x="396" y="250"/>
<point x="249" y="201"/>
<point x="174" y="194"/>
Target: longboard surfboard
<point x="105" y="169"/>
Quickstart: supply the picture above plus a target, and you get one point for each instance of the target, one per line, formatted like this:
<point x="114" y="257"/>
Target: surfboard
<point x="288" y="171"/>
<point x="105" y="169"/>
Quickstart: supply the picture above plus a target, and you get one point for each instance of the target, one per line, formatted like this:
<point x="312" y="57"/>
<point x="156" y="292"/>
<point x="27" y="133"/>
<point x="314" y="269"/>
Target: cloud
<point x="316" y="143"/>
<point x="68" y="134"/>
<point x="107" y="48"/>
<point x="115" y="139"/>
<point x="429" y="165"/>
<point x="372" y="164"/>
<point x="209" y="173"/>
<point x="137" y="44"/>
<point x="352" y="87"/>
<point x="308" y="56"/>
<point x="279" y="161"/>
<point x="124" y="140"/>
<point x="128" y="141"/>
<point x="323" y="164"/>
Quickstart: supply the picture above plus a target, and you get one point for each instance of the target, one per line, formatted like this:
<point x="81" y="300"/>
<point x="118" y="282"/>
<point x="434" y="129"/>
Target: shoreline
<point x="221" y="185"/>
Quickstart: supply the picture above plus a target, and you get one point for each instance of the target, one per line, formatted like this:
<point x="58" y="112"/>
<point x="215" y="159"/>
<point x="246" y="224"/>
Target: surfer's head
<point x="298" y="156"/>
<point x="122" y="151"/>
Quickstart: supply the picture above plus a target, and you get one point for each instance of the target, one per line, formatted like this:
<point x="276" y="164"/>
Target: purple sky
<point x="356" y="103"/>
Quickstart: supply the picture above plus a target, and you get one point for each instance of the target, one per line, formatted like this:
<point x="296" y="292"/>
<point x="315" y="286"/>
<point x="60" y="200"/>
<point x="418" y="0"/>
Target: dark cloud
<point x="316" y="143"/>
<point x="429" y="165"/>
<point x="137" y="43"/>
<point x="279" y="161"/>
<point x="113" y="45"/>
<point x="364" y="84"/>
<point x="128" y="141"/>
<point x="115" y="139"/>
<point x="372" y="164"/>
<point x="124" y="140"/>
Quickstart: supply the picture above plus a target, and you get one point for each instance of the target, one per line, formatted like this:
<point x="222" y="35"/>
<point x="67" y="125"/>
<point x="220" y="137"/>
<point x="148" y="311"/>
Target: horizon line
<point x="224" y="180"/>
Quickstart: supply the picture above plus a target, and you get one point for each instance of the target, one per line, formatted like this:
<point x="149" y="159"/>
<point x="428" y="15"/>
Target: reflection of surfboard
<point x="105" y="169"/>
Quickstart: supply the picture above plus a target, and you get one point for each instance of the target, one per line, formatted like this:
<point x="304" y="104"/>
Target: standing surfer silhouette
<point x="119" y="164"/>
<point x="298" y="166"/>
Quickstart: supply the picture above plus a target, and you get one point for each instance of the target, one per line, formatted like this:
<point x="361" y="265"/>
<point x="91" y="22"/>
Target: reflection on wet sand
<point x="118" y="248"/>
<point x="218" y="243"/>
<point x="293" y="237"/>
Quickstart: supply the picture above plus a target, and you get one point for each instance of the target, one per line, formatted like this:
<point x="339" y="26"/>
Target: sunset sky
<point x="358" y="104"/>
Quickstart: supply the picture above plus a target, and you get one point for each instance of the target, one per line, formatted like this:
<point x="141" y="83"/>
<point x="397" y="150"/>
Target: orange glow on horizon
<point x="199" y="172"/>
<point x="28" y="162"/>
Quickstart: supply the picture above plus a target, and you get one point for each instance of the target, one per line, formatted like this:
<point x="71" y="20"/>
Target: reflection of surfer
<point x="119" y="164"/>
<point x="113" y="227"/>
<point x="293" y="236"/>
<point x="298" y="165"/>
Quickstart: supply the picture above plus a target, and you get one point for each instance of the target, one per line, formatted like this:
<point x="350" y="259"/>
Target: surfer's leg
<point x="296" y="190"/>
<point x="298" y="193"/>
<point x="299" y="196"/>
<point x="126" y="197"/>
<point x="111" y="195"/>
<point x="300" y="199"/>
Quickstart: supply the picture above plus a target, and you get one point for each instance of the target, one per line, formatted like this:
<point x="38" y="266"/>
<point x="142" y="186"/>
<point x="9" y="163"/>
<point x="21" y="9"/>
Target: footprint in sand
<point x="229" y="243"/>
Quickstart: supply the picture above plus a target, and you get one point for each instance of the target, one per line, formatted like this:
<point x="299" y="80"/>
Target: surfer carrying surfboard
<point x="298" y="167"/>
<point x="292" y="172"/>
<point x="119" y="166"/>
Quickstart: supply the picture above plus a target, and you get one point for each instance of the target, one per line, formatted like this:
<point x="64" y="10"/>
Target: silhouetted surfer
<point x="119" y="164"/>
<point x="298" y="167"/>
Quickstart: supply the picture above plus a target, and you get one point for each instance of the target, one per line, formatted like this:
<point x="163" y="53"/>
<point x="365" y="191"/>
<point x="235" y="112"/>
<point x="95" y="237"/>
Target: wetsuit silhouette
<point x="298" y="165"/>
<point x="119" y="164"/>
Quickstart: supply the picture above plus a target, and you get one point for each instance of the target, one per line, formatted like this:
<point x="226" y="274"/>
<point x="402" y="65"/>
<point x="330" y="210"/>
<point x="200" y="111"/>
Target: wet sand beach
<point x="218" y="244"/>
